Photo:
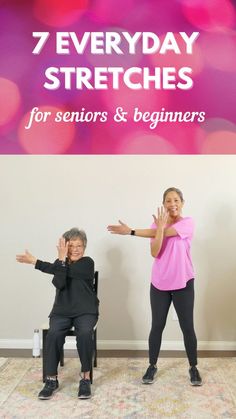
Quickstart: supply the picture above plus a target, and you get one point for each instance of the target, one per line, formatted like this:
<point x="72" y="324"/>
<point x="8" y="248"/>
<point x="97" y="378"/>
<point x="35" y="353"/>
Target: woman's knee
<point x="54" y="335"/>
<point x="187" y="329"/>
<point x="85" y="333"/>
<point x="158" y="326"/>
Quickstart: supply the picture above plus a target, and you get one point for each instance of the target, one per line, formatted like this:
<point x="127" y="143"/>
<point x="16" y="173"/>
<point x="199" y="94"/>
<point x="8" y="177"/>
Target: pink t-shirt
<point x="173" y="267"/>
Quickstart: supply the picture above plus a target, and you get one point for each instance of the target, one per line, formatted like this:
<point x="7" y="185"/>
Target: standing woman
<point x="172" y="278"/>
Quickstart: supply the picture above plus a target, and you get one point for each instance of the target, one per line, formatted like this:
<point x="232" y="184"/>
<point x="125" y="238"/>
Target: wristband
<point x="132" y="233"/>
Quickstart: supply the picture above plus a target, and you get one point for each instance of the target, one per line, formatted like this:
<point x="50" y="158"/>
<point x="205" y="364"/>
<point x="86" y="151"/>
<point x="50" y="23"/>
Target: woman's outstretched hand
<point x="62" y="249"/>
<point x="27" y="257"/>
<point x="120" y="228"/>
<point x="161" y="218"/>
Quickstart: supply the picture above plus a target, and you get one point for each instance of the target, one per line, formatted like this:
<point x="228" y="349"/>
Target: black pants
<point x="55" y="340"/>
<point x="183" y="301"/>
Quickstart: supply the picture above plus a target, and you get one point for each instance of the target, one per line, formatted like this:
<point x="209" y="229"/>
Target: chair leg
<point x="95" y="348"/>
<point x="45" y="332"/>
<point x="62" y="358"/>
<point x="91" y="374"/>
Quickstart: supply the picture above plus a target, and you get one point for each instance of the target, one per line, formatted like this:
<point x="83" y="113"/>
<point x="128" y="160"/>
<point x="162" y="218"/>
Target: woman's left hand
<point x="62" y="249"/>
<point x="161" y="218"/>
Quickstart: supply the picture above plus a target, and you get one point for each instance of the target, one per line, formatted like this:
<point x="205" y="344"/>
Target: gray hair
<point x="74" y="233"/>
<point x="172" y="189"/>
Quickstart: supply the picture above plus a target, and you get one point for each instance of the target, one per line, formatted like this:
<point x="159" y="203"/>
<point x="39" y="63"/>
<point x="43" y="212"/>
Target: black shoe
<point x="84" y="389"/>
<point x="51" y="386"/>
<point x="195" y="378"/>
<point x="149" y="375"/>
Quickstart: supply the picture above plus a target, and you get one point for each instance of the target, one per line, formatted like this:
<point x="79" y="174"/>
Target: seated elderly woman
<point x="75" y="304"/>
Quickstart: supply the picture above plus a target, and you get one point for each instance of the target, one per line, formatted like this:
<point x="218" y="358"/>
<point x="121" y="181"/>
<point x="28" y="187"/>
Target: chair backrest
<point x="95" y="282"/>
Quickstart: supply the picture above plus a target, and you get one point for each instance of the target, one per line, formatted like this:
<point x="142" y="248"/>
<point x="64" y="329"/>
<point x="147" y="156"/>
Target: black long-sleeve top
<point x="74" y="286"/>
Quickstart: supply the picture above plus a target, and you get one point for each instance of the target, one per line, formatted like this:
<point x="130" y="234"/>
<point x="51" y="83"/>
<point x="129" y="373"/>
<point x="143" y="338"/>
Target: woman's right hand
<point x="120" y="228"/>
<point x="161" y="218"/>
<point x="27" y="257"/>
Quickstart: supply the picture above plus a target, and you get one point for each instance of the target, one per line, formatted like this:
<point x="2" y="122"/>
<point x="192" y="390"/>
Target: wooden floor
<point x="27" y="353"/>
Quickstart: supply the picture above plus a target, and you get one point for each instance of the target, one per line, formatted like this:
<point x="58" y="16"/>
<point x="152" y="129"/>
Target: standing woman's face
<point x="173" y="204"/>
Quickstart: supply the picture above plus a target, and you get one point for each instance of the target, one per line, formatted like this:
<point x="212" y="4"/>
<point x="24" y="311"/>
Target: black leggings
<point x="183" y="301"/>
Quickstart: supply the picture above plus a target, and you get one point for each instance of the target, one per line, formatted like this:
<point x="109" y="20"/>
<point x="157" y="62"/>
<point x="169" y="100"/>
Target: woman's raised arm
<point x="124" y="229"/>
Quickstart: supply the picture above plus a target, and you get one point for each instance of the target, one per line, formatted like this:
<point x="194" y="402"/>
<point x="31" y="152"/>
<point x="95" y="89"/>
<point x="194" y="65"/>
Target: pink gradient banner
<point x="127" y="77"/>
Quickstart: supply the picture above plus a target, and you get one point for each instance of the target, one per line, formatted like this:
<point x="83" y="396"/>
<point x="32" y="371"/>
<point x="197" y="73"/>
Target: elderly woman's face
<point x="75" y="250"/>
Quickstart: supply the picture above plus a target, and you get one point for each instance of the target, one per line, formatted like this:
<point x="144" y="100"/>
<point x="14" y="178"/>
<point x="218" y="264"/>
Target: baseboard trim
<point x="138" y="345"/>
<point x="166" y="345"/>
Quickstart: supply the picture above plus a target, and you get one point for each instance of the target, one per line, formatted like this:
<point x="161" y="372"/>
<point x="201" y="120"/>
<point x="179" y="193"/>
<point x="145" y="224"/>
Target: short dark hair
<point x="172" y="189"/>
<point x="74" y="233"/>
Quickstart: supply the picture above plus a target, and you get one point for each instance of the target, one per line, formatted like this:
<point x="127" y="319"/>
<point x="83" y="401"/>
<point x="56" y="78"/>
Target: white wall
<point x="42" y="196"/>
